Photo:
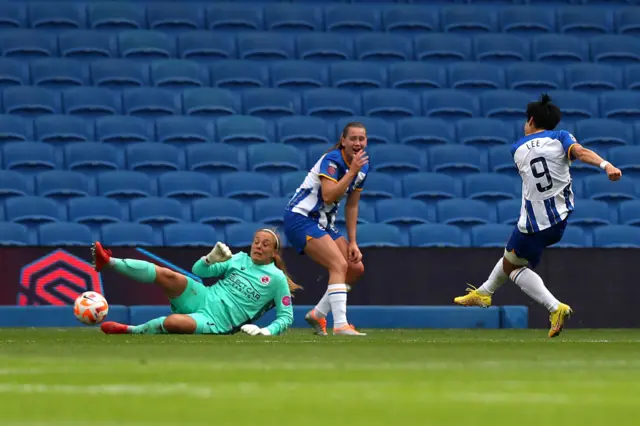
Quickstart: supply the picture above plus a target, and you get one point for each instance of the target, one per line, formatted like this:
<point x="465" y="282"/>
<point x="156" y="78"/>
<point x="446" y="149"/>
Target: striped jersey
<point x="307" y="199"/>
<point x="543" y="160"/>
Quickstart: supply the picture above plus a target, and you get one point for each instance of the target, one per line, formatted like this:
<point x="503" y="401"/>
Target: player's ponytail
<point x="345" y="132"/>
<point x="277" y="260"/>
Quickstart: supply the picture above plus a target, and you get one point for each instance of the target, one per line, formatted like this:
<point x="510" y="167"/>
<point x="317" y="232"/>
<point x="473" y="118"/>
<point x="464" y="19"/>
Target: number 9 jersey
<point x="543" y="160"/>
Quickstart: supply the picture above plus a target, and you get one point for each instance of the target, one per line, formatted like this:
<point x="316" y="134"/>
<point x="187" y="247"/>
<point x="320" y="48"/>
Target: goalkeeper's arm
<point x="213" y="264"/>
<point x="284" y="313"/>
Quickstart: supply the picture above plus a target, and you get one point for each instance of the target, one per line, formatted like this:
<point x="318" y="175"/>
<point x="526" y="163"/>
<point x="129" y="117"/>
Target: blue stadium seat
<point x="87" y="45"/>
<point x="61" y="185"/>
<point x="593" y="78"/>
<point x="234" y="17"/>
<point x="210" y="103"/>
<point x="629" y="213"/>
<point x="119" y="74"/>
<point x="500" y="49"/>
<point x="181" y="130"/>
<point x="91" y="102"/>
<point x="297" y="75"/>
<point x="14" y="234"/>
<point x="14" y="184"/>
<point x="330" y="103"/>
<point x="575" y="105"/>
<point x="27" y="44"/>
<point x="464" y="213"/>
<point x="506" y="105"/>
<point x="490" y="187"/>
<point x="289" y="182"/>
<point x="416" y="75"/>
<point x="403" y="213"/>
<point x="185" y="186"/>
<point x="366" y="214"/>
<point x="379" y="235"/>
<point x="490" y="235"/>
<point x="274" y="159"/>
<point x="484" y="132"/>
<point x="175" y="17"/>
<point x="379" y="131"/>
<point x="92" y="158"/>
<point x="617" y="236"/>
<point x="124" y="129"/>
<point x="206" y="46"/>
<point x="302" y="131"/>
<point x="573" y="237"/>
<point x="59" y="74"/>
<point x="270" y="211"/>
<point x="233" y="74"/>
<point x="425" y="132"/>
<point x="156" y="211"/>
<point x="64" y="234"/>
<point x="314" y="152"/>
<point x="189" y="235"/>
<point x="600" y="135"/>
<point x="621" y="105"/>
<point x="146" y="45"/>
<point x="292" y="18"/>
<point x="241" y="234"/>
<point x="95" y="211"/>
<point x="584" y="21"/>
<point x="153" y="158"/>
<point x="442" y="49"/>
<point x="116" y="16"/>
<point x="410" y="20"/>
<point x="383" y="48"/>
<point x="456" y="160"/>
<point x="13" y="15"/>
<point x="270" y="103"/>
<point x="560" y="50"/>
<point x="33" y="210"/>
<point x="632" y="77"/>
<point x="13" y="73"/>
<point x="591" y="213"/>
<point x="627" y="159"/>
<point x="509" y="211"/>
<point x="151" y="102"/>
<point x="527" y="21"/>
<point x="378" y="186"/>
<point x="615" y="49"/>
<point x="351" y="19"/>
<point x="213" y="159"/>
<point x="243" y="130"/>
<point x="63" y="128"/>
<point x="628" y="21"/>
<point x="321" y="47"/>
<point x="29" y="157"/>
<point x="247" y="186"/>
<point x="15" y="129"/>
<point x="600" y="188"/>
<point x="128" y="234"/>
<point x="397" y="159"/>
<point x="474" y="77"/>
<point x="534" y="78"/>
<point x="430" y="187"/>
<point x="436" y="235"/>
<point x="219" y="211"/>
<point x="450" y="104"/>
<point x="390" y="104"/>
<point x="357" y="75"/>
<point x="30" y="101"/>
<point x="123" y="185"/>
<point x="178" y="74"/>
<point x="468" y="20"/>
<point x="263" y="46"/>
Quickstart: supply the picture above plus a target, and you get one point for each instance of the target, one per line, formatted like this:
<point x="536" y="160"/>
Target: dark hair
<point x="545" y="114"/>
<point x="345" y="132"/>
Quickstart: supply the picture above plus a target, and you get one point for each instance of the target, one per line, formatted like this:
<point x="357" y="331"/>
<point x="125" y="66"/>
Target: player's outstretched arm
<point x="284" y="313"/>
<point x="589" y="157"/>
<point x="213" y="264"/>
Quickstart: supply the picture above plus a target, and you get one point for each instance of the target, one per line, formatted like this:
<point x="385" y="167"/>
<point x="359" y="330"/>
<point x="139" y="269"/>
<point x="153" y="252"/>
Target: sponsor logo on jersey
<point x="286" y="300"/>
<point x="332" y="168"/>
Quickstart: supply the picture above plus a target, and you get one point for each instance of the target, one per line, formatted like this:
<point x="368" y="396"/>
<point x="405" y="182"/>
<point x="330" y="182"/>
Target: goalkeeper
<point x="251" y="285"/>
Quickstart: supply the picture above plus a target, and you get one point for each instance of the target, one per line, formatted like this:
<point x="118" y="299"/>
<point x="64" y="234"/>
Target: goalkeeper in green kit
<point x="251" y="285"/>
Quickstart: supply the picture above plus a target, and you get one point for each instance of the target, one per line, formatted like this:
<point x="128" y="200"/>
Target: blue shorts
<point x="531" y="246"/>
<point x="299" y="229"/>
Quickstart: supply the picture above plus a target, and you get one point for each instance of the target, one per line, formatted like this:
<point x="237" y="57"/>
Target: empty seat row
<point x="390" y="104"/>
<point x="119" y="74"/>
<point x="241" y="235"/>
<point x="333" y="18"/>
<point x="269" y="46"/>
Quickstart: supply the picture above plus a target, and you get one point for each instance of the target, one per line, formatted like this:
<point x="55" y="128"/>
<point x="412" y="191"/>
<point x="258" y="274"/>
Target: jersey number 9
<point x="544" y="173"/>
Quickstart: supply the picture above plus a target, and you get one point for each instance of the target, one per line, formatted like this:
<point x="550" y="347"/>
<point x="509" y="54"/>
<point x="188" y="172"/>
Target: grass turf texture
<point x="434" y="377"/>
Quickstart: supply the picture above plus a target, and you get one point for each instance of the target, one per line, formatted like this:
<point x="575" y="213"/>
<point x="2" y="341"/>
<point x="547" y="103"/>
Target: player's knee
<point x="339" y="266"/>
<point x="179" y="324"/>
<point x="164" y="275"/>
<point x="356" y="270"/>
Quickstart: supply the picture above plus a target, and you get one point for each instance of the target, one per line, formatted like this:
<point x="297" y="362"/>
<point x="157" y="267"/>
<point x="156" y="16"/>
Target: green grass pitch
<point x="405" y="377"/>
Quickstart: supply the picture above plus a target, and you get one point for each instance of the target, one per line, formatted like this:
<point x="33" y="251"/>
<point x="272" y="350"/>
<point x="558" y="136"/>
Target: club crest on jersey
<point x="332" y="168"/>
<point x="286" y="300"/>
<point x="265" y="279"/>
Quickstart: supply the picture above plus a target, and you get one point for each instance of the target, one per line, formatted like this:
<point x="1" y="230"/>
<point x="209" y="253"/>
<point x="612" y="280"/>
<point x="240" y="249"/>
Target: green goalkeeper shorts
<point x="197" y="302"/>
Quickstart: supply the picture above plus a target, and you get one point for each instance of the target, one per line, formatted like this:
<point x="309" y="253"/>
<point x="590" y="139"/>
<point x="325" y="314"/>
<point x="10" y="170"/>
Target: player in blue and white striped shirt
<point x="543" y="157"/>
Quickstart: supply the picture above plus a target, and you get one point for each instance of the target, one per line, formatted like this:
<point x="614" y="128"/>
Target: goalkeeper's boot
<point x="557" y="319"/>
<point x="100" y="256"/>
<point x="473" y="298"/>
<point x="347" y="330"/>
<point x="318" y="323"/>
<point x="111" y="327"/>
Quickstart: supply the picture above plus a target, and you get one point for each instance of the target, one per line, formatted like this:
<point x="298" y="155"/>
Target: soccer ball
<point x="91" y="308"/>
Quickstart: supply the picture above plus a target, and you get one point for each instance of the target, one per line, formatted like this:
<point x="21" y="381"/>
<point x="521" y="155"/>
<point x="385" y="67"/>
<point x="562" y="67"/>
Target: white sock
<point x="495" y="280"/>
<point x="532" y="285"/>
<point x="338" y="300"/>
<point x="324" y="306"/>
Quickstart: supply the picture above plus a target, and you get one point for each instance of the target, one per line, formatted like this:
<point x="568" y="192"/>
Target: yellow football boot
<point x="473" y="298"/>
<point x="557" y="319"/>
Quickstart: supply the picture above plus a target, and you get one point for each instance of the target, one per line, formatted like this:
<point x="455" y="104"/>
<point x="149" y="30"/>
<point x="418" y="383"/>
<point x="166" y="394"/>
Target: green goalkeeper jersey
<point x="248" y="290"/>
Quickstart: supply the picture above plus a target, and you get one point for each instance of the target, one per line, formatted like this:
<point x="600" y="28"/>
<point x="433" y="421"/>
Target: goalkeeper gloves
<point x="220" y="253"/>
<point x="254" y="330"/>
